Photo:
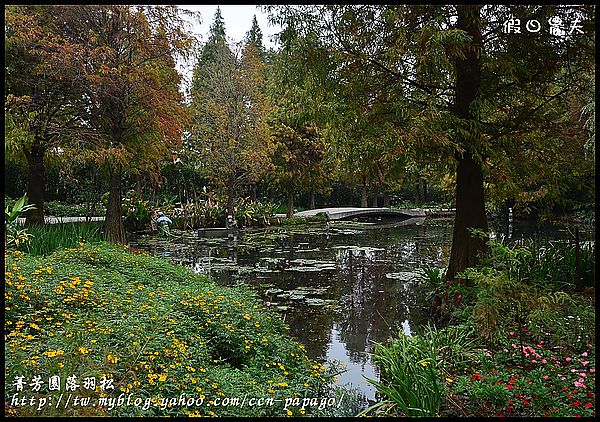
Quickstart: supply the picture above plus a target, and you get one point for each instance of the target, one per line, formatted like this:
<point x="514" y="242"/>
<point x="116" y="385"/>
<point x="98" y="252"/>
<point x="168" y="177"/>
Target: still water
<point x="340" y="287"/>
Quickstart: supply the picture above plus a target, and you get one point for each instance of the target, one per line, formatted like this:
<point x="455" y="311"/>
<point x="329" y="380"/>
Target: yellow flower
<point x="112" y="358"/>
<point x="83" y="350"/>
<point x="246" y="316"/>
<point x="424" y="363"/>
<point x="449" y="380"/>
<point x="162" y="377"/>
<point x="289" y="412"/>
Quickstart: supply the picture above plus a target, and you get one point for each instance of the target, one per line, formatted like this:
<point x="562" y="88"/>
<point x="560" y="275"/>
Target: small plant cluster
<point x="527" y="377"/>
<point x="533" y="351"/>
<point x="214" y="214"/>
<point x="156" y="329"/>
<point x="14" y="236"/>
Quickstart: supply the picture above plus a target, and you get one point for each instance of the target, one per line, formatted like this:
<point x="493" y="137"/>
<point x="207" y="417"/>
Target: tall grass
<point x="50" y="237"/>
<point x="413" y="369"/>
<point x="553" y="263"/>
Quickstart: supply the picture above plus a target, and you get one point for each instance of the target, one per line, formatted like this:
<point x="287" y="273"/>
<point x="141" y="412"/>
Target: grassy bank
<point x="156" y="329"/>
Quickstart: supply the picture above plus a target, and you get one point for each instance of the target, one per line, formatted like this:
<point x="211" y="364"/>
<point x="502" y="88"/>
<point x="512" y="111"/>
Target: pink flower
<point x="544" y="361"/>
<point x="505" y="350"/>
<point x="585" y="362"/>
<point x="546" y="377"/>
<point x="533" y="361"/>
<point x="514" y="346"/>
<point x="568" y="359"/>
<point x="512" y="333"/>
<point x="582" y="374"/>
<point x="584" y="354"/>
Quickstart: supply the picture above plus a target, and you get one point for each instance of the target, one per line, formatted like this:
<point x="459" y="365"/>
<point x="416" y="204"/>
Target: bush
<point x="59" y="209"/>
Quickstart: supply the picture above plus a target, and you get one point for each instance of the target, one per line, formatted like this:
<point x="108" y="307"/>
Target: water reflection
<point x="340" y="288"/>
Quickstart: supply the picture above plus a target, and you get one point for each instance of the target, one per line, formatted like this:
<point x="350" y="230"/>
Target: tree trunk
<point x="138" y="186"/>
<point x="421" y="192"/>
<point x="35" y="182"/>
<point x="311" y="200"/>
<point x="375" y="201"/>
<point x="363" y="196"/>
<point x="115" y="232"/>
<point x="386" y="200"/>
<point x="231" y="201"/>
<point x="253" y="192"/>
<point x="470" y="201"/>
<point x="290" y="203"/>
<point x="470" y="213"/>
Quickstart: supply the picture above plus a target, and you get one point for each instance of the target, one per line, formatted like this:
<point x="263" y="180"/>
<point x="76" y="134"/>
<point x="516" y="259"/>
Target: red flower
<point x="575" y="403"/>
<point x="510" y="387"/>
<point x="526" y="401"/>
<point x="588" y="405"/>
<point x="476" y="377"/>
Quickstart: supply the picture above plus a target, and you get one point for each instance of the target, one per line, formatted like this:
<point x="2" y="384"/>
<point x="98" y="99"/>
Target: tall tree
<point x="230" y="135"/>
<point x="254" y="36"/>
<point x="44" y="110"/>
<point x="297" y="159"/>
<point x="133" y="89"/>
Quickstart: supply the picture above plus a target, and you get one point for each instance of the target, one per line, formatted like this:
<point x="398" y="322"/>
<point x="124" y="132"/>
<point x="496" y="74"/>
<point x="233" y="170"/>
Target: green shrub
<point x="59" y="209"/>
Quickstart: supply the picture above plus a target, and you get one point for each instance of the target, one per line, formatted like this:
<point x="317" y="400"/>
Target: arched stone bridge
<point x="341" y="213"/>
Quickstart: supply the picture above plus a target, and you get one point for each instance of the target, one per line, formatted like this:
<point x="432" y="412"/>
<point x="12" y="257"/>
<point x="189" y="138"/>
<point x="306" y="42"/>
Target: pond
<point x="340" y="286"/>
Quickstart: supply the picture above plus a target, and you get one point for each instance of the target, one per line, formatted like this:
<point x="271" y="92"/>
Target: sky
<point x="238" y="20"/>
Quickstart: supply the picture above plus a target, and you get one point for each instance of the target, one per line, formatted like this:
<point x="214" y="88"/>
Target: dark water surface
<point x="339" y="287"/>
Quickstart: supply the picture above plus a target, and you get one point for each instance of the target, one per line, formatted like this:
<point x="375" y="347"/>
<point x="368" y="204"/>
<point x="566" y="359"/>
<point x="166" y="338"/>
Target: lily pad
<point x="402" y="275"/>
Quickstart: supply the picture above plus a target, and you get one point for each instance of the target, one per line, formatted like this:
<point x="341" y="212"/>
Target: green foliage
<point x="552" y="263"/>
<point x="14" y="237"/>
<point x="413" y="370"/>
<point x="49" y="237"/>
<point x="60" y="209"/>
<point x="136" y="213"/>
<point x="158" y="330"/>
<point x="229" y="116"/>
<point x="410" y="380"/>
<point x="14" y="211"/>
